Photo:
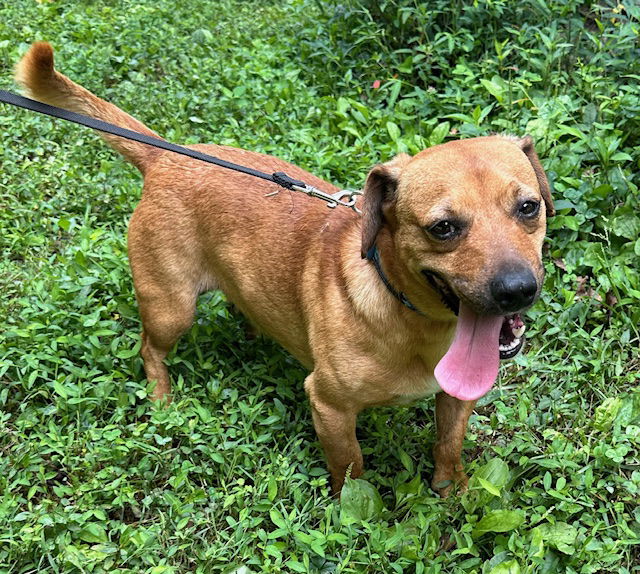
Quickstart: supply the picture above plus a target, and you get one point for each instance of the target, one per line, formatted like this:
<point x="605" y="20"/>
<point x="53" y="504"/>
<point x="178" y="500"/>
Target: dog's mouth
<point x="469" y="368"/>
<point x="440" y="285"/>
<point x="511" y="339"/>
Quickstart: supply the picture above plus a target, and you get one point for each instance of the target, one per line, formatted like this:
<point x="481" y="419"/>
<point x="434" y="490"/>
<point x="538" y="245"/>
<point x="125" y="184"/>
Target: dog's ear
<point x="526" y="145"/>
<point x="379" y="195"/>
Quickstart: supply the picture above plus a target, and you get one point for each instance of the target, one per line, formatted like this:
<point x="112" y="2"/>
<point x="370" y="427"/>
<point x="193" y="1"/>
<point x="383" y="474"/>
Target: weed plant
<point x="230" y="477"/>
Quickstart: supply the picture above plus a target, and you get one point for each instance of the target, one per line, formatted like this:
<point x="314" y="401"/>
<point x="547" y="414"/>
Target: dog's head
<point x="467" y="219"/>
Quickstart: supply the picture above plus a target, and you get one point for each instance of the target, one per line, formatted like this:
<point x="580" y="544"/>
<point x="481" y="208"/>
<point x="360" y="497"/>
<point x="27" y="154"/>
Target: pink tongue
<point x="470" y="366"/>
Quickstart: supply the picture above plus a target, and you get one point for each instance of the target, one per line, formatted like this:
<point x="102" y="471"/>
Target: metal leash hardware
<point x="333" y="199"/>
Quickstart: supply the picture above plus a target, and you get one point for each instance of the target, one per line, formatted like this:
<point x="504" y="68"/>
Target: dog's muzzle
<point x="512" y="339"/>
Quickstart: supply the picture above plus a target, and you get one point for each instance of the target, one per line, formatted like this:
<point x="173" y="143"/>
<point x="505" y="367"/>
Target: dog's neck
<point x="373" y="255"/>
<point x="445" y="295"/>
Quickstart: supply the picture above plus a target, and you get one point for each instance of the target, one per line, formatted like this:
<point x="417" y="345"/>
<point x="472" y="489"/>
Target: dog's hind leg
<point x="165" y="317"/>
<point x="167" y="286"/>
<point x="168" y="275"/>
<point x="336" y="428"/>
<point x="452" y="416"/>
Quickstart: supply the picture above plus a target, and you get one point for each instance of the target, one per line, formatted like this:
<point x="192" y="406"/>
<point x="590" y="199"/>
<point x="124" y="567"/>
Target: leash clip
<point x="344" y="197"/>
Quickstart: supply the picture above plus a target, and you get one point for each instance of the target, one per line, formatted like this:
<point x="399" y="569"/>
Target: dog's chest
<point x="413" y="389"/>
<point x="413" y="379"/>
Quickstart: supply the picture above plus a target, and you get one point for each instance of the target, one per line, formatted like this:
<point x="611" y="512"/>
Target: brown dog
<point x="456" y="229"/>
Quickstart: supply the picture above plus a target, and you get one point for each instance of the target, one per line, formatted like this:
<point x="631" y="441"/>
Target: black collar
<point x="446" y="295"/>
<point x="373" y="255"/>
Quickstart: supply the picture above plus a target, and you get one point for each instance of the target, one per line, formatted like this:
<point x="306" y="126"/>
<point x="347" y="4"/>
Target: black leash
<point x="346" y="198"/>
<point x="280" y="178"/>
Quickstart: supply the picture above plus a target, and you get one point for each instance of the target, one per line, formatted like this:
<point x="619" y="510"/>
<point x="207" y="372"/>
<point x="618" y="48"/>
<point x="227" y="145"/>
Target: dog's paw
<point x="444" y="483"/>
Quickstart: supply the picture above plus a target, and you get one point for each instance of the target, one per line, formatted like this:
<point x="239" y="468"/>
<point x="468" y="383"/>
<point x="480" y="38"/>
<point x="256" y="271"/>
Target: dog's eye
<point x="444" y="230"/>
<point x="529" y="209"/>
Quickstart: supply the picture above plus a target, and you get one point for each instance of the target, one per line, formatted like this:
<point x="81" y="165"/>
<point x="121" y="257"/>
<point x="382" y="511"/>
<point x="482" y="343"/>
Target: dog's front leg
<point x="335" y="424"/>
<point x="452" y="416"/>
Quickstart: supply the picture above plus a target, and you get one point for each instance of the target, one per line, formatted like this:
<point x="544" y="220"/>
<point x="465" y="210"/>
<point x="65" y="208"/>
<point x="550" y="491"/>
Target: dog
<point x="420" y="295"/>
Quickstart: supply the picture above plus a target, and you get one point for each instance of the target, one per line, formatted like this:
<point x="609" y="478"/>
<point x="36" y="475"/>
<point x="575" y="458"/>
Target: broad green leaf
<point x="128" y="353"/>
<point x="359" y="500"/>
<point x="342" y="105"/>
<point x="64" y="224"/>
<point x="272" y="489"/>
<point x="603" y="190"/>
<point x="406" y="460"/>
<point x="627" y="225"/>
<point x="495" y="471"/>
<point x="485" y="112"/>
<point x="510" y="567"/>
<point x="494" y="89"/>
<point x="93" y="533"/>
<point x="489" y="487"/>
<point x="439" y="133"/>
<point x="395" y="92"/>
<point x="296" y="566"/>
<point x="277" y="518"/>
<point x="406" y="66"/>
<point x="590" y="113"/>
<point x="60" y="389"/>
<point x="499" y="521"/>
<point x="461" y="118"/>
<point x="496" y="474"/>
<point x="394" y="131"/>
<point x="606" y="413"/>
<point x="563" y="204"/>
<point x="629" y="412"/>
<point x="571" y="131"/>
<point x="536" y="546"/>
<point x="359" y="116"/>
<point x="408" y="489"/>
<point x="560" y="535"/>
<point x="621" y="156"/>
<point x="202" y="36"/>
<point x="351" y="130"/>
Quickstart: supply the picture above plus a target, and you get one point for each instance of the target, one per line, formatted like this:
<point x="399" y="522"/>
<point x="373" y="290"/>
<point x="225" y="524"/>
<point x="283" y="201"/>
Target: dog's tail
<point x="37" y="75"/>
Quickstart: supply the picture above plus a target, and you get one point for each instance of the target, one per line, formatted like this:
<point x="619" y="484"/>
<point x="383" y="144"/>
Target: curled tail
<point x="36" y="74"/>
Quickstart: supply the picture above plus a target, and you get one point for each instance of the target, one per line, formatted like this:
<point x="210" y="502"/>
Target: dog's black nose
<point x="513" y="288"/>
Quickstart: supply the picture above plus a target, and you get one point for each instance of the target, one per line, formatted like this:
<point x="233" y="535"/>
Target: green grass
<point x="230" y="477"/>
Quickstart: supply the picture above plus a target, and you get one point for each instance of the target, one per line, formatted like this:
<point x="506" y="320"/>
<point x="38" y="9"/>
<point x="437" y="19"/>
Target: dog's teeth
<point x="519" y="331"/>
<point x="509" y="346"/>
